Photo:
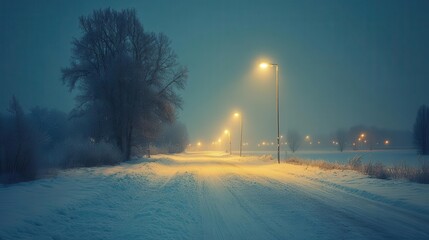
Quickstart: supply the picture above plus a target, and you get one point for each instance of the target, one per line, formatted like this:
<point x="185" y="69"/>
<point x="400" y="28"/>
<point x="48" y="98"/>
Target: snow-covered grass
<point x="388" y="157"/>
<point x="211" y="195"/>
<point x="317" y="163"/>
<point x="377" y="170"/>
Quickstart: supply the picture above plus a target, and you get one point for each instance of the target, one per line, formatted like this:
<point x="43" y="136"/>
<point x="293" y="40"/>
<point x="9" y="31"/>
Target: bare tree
<point x="18" y="161"/>
<point x="421" y="130"/>
<point x="293" y="140"/>
<point x="125" y="75"/>
<point x="341" y="137"/>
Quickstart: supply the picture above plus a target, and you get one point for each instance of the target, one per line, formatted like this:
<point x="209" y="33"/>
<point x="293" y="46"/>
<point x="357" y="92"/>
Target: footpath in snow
<point x="211" y="195"/>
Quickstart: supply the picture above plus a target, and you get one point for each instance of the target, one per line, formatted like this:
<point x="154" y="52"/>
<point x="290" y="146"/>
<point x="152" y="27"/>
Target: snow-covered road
<point x="211" y="195"/>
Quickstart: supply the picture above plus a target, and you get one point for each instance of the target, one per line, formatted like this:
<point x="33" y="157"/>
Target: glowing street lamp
<point x="264" y="66"/>
<point x="229" y="135"/>
<point x="241" y="130"/>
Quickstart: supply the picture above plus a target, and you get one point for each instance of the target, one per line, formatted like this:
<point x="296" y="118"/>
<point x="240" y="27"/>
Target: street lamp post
<point x="265" y="65"/>
<point x="229" y="135"/>
<point x="241" y="130"/>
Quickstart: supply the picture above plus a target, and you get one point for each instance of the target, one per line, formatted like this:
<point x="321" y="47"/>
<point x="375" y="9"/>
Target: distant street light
<point x="229" y="135"/>
<point x="241" y="130"/>
<point x="265" y="65"/>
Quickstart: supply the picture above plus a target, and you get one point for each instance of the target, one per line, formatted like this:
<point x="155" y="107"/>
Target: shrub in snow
<point x="317" y="163"/>
<point x="420" y="175"/>
<point x="376" y="170"/>
<point x="356" y="162"/>
<point x="88" y="154"/>
<point x="266" y="157"/>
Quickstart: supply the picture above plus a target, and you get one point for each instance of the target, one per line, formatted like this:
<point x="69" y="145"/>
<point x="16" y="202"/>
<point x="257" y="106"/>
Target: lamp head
<point x="263" y="65"/>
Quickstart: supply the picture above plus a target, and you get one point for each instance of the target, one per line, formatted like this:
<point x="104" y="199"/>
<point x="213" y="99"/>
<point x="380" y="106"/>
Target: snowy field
<point x="210" y="195"/>
<point x="390" y="158"/>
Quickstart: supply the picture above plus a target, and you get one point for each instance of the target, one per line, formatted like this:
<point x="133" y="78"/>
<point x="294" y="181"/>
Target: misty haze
<point x="214" y="119"/>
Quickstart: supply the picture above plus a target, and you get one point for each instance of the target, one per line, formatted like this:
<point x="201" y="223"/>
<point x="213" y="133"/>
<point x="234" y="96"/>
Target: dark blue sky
<point x="342" y="63"/>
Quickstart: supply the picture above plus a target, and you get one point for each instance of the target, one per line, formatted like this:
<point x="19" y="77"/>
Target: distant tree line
<point x="351" y="139"/>
<point x="127" y="80"/>
<point x="35" y="143"/>
<point x="373" y="138"/>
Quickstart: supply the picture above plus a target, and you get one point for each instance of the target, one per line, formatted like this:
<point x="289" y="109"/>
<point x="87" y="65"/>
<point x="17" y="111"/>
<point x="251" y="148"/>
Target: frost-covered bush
<point x="376" y="170"/>
<point x="420" y="175"/>
<point x="316" y="163"/>
<point x="266" y="158"/>
<point x="356" y="162"/>
<point x="88" y="154"/>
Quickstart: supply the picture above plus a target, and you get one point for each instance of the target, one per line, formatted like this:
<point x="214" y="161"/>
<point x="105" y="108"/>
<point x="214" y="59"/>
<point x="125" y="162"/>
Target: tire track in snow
<point x="355" y="214"/>
<point x="224" y="217"/>
<point x="409" y="215"/>
<point x="400" y="205"/>
<point x="291" y="214"/>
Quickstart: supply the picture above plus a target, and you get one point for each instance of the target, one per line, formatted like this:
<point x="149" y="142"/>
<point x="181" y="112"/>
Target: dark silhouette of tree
<point x="126" y="77"/>
<point x="421" y="130"/>
<point x="341" y="137"/>
<point x="293" y="140"/>
<point x="18" y="154"/>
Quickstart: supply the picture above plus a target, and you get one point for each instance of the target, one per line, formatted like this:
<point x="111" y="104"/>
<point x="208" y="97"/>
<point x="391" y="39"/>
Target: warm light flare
<point x="263" y="65"/>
